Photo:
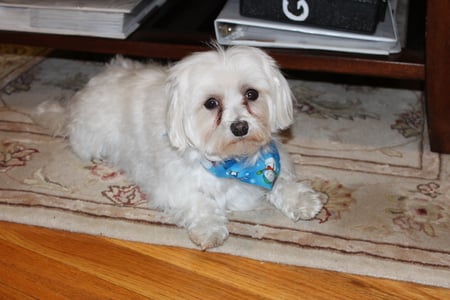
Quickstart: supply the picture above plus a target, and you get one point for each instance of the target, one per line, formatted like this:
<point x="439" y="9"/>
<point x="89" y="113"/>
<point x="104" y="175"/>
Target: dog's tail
<point x="52" y="115"/>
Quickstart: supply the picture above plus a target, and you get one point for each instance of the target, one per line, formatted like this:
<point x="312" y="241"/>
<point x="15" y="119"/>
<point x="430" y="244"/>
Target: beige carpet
<point x="389" y="196"/>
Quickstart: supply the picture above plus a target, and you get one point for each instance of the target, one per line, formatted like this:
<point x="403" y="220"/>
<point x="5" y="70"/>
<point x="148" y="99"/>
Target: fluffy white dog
<point x="196" y="136"/>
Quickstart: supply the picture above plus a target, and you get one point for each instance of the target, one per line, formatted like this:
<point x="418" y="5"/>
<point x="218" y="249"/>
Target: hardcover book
<point x="102" y="18"/>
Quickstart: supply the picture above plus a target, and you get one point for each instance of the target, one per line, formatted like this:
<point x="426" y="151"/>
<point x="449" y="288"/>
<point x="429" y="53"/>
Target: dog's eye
<point x="251" y="94"/>
<point x="211" y="103"/>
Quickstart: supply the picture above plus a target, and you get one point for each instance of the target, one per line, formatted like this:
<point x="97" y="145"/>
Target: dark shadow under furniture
<point x="185" y="26"/>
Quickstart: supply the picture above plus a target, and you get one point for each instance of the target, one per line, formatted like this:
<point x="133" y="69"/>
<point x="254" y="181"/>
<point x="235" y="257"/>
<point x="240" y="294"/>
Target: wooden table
<point x="184" y="26"/>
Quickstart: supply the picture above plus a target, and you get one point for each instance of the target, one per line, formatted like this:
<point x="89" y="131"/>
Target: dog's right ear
<point x="175" y="115"/>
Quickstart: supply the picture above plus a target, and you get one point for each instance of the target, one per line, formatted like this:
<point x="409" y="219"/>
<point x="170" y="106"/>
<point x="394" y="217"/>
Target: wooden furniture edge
<point x="437" y="70"/>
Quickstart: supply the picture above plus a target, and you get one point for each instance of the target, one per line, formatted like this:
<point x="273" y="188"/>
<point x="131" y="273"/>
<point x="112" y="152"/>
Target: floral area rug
<point x="364" y="147"/>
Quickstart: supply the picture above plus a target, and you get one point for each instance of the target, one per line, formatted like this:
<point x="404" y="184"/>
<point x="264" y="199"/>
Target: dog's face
<point x="226" y="103"/>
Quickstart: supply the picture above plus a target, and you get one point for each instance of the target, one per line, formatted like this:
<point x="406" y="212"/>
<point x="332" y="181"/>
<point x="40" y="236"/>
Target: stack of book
<point x="233" y="28"/>
<point x="101" y="18"/>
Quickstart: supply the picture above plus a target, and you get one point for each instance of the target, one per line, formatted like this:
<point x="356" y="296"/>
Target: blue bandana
<point x="262" y="173"/>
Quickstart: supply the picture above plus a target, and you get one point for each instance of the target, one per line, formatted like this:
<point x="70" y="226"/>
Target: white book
<point x="233" y="29"/>
<point x="103" y="18"/>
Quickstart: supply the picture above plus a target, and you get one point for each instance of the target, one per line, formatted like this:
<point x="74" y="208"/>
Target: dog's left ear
<point x="281" y="105"/>
<point x="175" y="115"/>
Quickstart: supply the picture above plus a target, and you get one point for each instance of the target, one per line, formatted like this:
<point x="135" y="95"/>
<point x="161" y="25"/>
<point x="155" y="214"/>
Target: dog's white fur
<point x="151" y="121"/>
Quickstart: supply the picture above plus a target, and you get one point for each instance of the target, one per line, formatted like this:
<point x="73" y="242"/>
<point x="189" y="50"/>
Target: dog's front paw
<point x="308" y="206"/>
<point x="301" y="202"/>
<point x="208" y="236"/>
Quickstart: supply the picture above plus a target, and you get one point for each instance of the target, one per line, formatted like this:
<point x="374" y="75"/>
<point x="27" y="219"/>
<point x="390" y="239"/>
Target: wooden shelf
<point x="182" y="27"/>
<point x="407" y="65"/>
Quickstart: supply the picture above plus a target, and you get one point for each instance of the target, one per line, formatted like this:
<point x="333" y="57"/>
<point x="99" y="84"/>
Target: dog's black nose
<point x="239" y="128"/>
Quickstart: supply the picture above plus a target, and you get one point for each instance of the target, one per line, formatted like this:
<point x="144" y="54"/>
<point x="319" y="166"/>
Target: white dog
<point x="196" y="136"/>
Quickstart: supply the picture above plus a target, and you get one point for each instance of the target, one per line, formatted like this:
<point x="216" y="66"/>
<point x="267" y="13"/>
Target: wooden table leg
<point x="437" y="68"/>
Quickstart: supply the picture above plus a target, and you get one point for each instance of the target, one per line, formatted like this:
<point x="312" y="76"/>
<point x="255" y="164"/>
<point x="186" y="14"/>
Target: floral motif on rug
<point x="339" y="199"/>
<point x="410" y="123"/>
<point x="13" y="154"/>
<point x="421" y="210"/>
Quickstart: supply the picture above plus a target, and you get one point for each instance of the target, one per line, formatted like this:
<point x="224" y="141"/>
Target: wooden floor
<point x="37" y="263"/>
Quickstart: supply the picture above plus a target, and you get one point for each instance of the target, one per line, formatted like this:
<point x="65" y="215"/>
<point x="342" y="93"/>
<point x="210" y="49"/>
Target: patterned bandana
<point x="262" y="173"/>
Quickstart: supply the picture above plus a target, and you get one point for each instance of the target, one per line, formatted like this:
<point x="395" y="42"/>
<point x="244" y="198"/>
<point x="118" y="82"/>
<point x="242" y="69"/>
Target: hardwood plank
<point x="34" y="274"/>
<point x="50" y="264"/>
<point x="106" y="266"/>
